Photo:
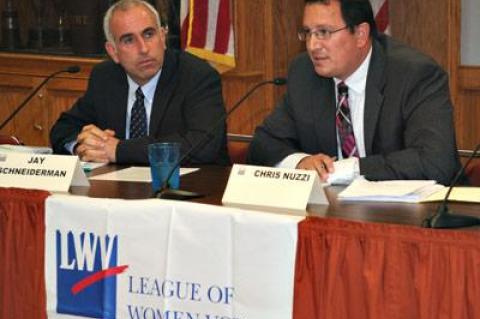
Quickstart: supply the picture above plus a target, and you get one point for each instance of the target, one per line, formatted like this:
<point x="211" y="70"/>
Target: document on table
<point x="135" y="174"/>
<point x="7" y="148"/>
<point x="406" y="191"/>
<point x="90" y="166"/>
<point x="458" y="194"/>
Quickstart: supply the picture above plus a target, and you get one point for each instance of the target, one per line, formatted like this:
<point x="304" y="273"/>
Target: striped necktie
<point x="138" y="118"/>
<point x="344" y="123"/>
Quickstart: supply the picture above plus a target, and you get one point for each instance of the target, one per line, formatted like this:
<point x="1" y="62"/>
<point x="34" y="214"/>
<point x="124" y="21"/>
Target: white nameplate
<point x="278" y="188"/>
<point x="53" y="173"/>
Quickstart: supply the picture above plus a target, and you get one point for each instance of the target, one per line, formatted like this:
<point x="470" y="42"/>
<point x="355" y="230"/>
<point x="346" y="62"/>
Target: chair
<point x="237" y="147"/>
<point x="473" y="172"/>
<point x="9" y="139"/>
<point x="473" y="169"/>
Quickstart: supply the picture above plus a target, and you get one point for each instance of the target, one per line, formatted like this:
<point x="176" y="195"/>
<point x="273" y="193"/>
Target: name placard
<point x="37" y="171"/>
<point x="278" y="188"/>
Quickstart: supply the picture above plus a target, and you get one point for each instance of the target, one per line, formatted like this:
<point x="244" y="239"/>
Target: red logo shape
<point x="99" y="275"/>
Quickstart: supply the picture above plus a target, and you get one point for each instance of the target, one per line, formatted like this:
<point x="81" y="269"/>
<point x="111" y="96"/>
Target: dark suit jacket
<point x="408" y="126"/>
<point x="188" y="101"/>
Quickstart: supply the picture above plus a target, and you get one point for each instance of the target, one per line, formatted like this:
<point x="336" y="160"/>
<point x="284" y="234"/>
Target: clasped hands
<point x="96" y="145"/>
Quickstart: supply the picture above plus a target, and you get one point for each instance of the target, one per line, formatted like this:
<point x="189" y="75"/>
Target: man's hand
<point x="96" y="145"/>
<point x="111" y="149"/>
<point x="321" y="163"/>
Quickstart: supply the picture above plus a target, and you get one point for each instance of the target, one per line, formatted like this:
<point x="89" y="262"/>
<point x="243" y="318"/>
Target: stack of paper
<point x="7" y="148"/>
<point x="135" y="174"/>
<point x="406" y="191"/>
<point x="458" y="194"/>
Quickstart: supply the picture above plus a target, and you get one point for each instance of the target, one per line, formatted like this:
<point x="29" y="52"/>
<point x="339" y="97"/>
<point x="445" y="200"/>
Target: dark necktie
<point x="138" y="118"/>
<point x="344" y="123"/>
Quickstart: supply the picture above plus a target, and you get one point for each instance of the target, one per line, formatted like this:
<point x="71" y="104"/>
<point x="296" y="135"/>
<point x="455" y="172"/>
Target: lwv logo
<point x="85" y="247"/>
<point x="86" y="273"/>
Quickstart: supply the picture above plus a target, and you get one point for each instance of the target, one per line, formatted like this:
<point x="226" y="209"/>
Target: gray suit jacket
<point x="408" y="125"/>
<point x="188" y="100"/>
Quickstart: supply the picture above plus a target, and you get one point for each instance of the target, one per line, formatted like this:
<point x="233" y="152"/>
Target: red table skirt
<point x="343" y="269"/>
<point x="22" y="237"/>
<point x="346" y="269"/>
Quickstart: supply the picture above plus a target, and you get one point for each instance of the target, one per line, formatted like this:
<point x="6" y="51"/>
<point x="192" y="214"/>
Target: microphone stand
<point x="165" y="192"/>
<point x="71" y="69"/>
<point x="444" y="218"/>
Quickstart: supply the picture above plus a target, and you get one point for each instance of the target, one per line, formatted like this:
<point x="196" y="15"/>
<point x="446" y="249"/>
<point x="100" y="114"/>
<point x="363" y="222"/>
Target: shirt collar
<point x="148" y="88"/>
<point x="357" y="81"/>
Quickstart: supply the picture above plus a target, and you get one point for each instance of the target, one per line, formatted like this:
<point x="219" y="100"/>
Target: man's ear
<point x="112" y="51"/>
<point x="163" y="35"/>
<point x="362" y="33"/>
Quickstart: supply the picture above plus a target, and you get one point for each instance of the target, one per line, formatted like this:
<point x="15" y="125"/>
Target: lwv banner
<point x="157" y="259"/>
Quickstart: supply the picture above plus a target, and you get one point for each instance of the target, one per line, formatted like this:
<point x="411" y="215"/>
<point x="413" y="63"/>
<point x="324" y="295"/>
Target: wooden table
<point x="211" y="181"/>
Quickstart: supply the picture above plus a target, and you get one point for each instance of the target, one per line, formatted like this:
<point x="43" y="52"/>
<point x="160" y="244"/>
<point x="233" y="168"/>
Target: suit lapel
<point x="119" y="101"/>
<point x="163" y="92"/>
<point x="323" y="109"/>
<point x="374" y="94"/>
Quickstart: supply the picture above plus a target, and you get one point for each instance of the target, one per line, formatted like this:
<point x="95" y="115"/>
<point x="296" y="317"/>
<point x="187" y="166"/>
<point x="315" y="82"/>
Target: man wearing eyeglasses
<point x="359" y="103"/>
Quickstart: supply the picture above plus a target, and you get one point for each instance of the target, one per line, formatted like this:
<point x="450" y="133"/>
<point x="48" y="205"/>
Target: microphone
<point x="70" y="69"/>
<point x="444" y="217"/>
<point x="165" y="192"/>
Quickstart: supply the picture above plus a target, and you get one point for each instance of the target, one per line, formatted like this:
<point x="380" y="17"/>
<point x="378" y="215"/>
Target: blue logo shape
<point x="86" y="274"/>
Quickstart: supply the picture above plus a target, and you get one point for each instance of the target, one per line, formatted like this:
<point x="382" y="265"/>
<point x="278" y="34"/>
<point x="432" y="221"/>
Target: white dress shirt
<point x="148" y="90"/>
<point x="356" y="83"/>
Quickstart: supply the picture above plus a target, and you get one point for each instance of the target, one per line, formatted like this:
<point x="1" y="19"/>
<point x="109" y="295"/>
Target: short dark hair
<point x="354" y="12"/>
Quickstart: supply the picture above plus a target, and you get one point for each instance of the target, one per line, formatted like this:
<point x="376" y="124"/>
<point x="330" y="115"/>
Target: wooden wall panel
<point x="12" y="93"/>
<point x="33" y="118"/>
<point x="434" y="27"/>
<point x="467" y="90"/>
<point x="265" y="41"/>
<point x="470" y="102"/>
<point x="61" y="95"/>
<point x="423" y="25"/>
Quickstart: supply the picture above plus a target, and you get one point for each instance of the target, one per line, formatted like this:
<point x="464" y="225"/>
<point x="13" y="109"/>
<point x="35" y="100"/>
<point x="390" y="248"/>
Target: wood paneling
<point x="470" y="103"/>
<point x="265" y="38"/>
<point x="423" y="25"/>
<point x="20" y="74"/>
<point x="434" y="27"/>
<point x="469" y="78"/>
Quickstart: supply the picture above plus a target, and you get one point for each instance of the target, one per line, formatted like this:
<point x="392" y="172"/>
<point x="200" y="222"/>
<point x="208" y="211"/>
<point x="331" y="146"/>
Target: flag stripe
<point x="212" y="23"/>
<point x="207" y="31"/>
<point x="382" y="17"/>
<point x="223" y="28"/>
<point x="184" y="20"/>
<point x="199" y="25"/>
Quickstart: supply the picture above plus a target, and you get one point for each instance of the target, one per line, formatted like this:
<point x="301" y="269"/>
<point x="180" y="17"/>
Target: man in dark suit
<point x="147" y="94"/>
<point x="390" y="119"/>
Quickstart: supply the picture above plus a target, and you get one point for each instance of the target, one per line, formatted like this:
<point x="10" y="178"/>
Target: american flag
<point x="380" y="10"/>
<point x="207" y="31"/>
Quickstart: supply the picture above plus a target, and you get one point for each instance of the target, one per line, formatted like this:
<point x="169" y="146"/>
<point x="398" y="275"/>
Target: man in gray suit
<point x="359" y="103"/>
<point x="147" y="94"/>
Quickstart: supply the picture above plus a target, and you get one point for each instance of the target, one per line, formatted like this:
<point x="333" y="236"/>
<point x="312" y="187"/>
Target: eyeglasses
<point x="319" y="34"/>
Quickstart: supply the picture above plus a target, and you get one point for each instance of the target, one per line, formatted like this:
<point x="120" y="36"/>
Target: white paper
<point x="409" y="191"/>
<point x="90" y="166"/>
<point x="344" y="172"/>
<point x="458" y="194"/>
<point x="135" y="174"/>
<point x="7" y="148"/>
